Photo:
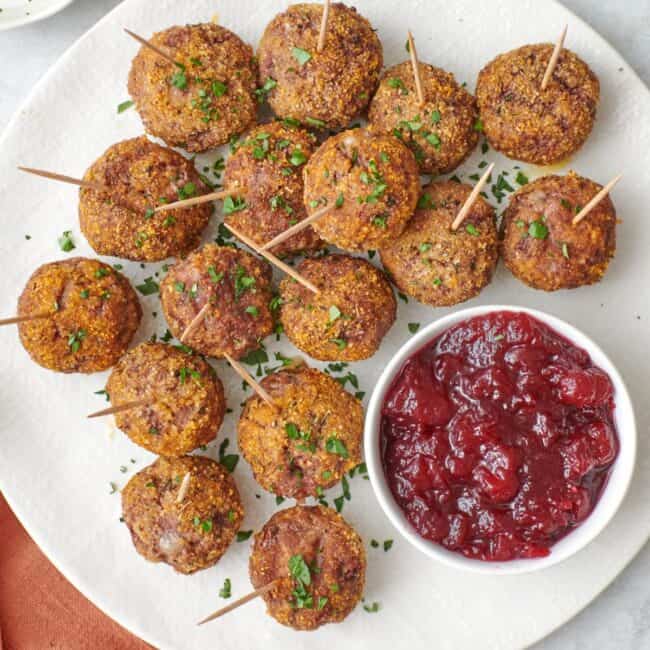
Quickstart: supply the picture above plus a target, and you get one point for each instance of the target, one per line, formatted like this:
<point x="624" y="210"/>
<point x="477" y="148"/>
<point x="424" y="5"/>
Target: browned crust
<point x="325" y="541"/>
<point x="435" y="265"/>
<point x="86" y="298"/>
<point x="334" y="85"/>
<point x="186" y="399"/>
<point x="194" y="117"/>
<point x="164" y="530"/>
<point x="442" y="132"/>
<point x="240" y="316"/>
<point x="376" y="182"/>
<point x="359" y="291"/>
<point x="320" y="409"/>
<point x="141" y="175"/>
<point x="527" y="123"/>
<point x="570" y="256"/>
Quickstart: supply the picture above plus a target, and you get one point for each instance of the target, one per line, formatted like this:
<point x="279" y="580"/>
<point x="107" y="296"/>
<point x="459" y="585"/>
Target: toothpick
<point x="65" y="179"/>
<point x="22" y="319"/>
<point x="153" y="47"/>
<point x="196" y="321"/>
<point x="120" y="408"/>
<point x="273" y="259"/>
<point x="596" y="200"/>
<point x="554" y="57"/>
<point x="416" y="69"/>
<point x="301" y="225"/>
<point x="241" y="601"/>
<point x="323" y="26"/>
<point x="185" y="486"/>
<point x="471" y="199"/>
<point x="243" y="373"/>
<point x="197" y="200"/>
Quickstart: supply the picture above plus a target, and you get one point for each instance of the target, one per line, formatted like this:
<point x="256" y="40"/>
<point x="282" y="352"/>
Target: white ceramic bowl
<point x="16" y="13"/>
<point x="613" y="492"/>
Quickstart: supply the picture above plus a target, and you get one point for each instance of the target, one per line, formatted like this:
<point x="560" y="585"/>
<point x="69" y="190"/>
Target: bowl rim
<point x="613" y="493"/>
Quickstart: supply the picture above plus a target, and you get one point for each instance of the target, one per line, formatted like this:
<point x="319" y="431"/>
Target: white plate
<point x="20" y="12"/>
<point x="55" y="467"/>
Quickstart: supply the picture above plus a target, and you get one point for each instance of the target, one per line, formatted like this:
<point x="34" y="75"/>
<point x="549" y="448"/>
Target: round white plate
<point x="55" y="466"/>
<point x="14" y="13"/>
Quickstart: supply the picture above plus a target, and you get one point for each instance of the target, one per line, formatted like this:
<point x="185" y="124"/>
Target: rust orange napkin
<point x="40" y="609"/>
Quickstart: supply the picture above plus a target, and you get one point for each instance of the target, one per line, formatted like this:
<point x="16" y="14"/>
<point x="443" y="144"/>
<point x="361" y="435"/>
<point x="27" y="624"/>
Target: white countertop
<point x="620" y="618"/>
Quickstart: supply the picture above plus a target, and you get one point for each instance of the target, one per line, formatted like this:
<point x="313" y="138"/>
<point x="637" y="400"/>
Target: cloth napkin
<point x="40" y="609"/>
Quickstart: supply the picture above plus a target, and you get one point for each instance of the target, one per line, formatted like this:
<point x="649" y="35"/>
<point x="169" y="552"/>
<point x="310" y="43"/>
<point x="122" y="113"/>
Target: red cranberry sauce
<point x="498" y="437"/>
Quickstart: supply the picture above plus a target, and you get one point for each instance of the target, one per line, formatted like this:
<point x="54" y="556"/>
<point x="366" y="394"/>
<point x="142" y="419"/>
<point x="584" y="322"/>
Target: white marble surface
<point x="620" y="618"/>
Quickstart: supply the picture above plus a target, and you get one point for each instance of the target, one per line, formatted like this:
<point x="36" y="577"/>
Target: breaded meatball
<point x="348" y="318"/>
<point x="372" y="184"/>
<point x="441" y="133"/>
<point x="319" y="562"/>
<point x="185" y="399"/>
<point x="93" y="315"/>
<point x="324" y="89"/>
<point x="142" y="175"/>
<point x="203" y="100"/>
<point x="434" y="264"/>
<point x="268" y="163"/>
<point x="527" y="123"/>
<point x="309" y="441"/>
<point x="191" y="534"/>
<point x="540" y="244"/>
<point x="237" y="285"/>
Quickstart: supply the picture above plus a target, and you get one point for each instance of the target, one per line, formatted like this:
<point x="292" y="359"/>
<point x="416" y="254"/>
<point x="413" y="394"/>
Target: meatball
<point x="94" y="314"/>
<point x="268" y="163"/>
<point x="540" y="244"/>
<point x="442" y="133"/>
<point x="436" y="265"/>
<point x="372" y="184"/>
<point x="189" y="532"/>
<point x="319" y="562"/>
<point x="237" y="285"/>
<point x="185" y="399"/>
<point x="324" y="89"/>
<point x="309" y="441"/>
<point x="527" y="123"/>
<point x="203" y="100"/>
<point x="348" y="318"/>
<point x="142" y="175"/>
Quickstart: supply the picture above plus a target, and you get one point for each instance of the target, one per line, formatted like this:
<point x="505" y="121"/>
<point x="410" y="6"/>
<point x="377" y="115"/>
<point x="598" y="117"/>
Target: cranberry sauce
<point x="497" y="438"/>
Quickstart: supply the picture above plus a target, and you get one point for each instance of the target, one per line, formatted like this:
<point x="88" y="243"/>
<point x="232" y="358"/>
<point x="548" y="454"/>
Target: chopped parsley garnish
<point x="425" y="202"/>
<point x="339" y="200"/>
<point x="413" y="327"/>
<point x="124" y="106"/>
<point x="243" y="535"/>
<point x="312" y="121"/>
<point x="243" y="282"/>
<point x="219" y="88"/>
<point x="225" y="591"/>
<point x="214" y="276"/>
<point x="297" y="158"/>
<point x="205" y="524"/>
<point x="233" y="204"/>
<point x="179" y="79"/>
<point x="229" y="461"/>
<point x="187" y="191"/>
<point x="388" y="544"/>
<point x="84" y="293"/>
<point x="395" y="82"/>
<point x="340" y="343"/>
<point x="565" y="250"/>
<point x="379" y="221"/>
<point x="538" y="229"/>
<point x="75" y="339"/>
<point x="300" y="55"/>
<point x="148" y="287"/>
<point x="435" y="117"/>
<point x="65" y="241"/>
<point x="521" y="178"/>
<point x="478" y="125"/>
<point x="334" y="313"/>
<point x="185" y="372"/>
<point x="372" y="609"/>
<point x="252" y="310"/>
<point x="263" y="92"/>
<point x="472" y="230"/>
<point x="336" y="446"/>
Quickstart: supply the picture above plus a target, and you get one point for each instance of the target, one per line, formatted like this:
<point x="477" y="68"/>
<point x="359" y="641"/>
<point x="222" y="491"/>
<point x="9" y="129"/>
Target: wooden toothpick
<point x="323" y="26"/>
<point x="197" y="200"/>
<point x="245" y="375"/>
<point x="595" y="201"/>
<point x="65" y="179"/>
<point x="273" y="259"/>
<point x="185" y="486"/>
<point x="241" y="601"/>
<point x="22" y="319"/>
<point x="301" y="225"/>
<point x="554" y="57"/>
<point x="196" y="321"/>
<point x="154" y="48"/>
<point x="416" y="69"/>
<point x="471" y="199"/>
<point x="120" y="408"/>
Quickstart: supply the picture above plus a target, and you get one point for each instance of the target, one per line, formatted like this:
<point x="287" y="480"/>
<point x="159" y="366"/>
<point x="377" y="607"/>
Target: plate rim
<point x="133" y="627"/>
<point x="42" y="15"/>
